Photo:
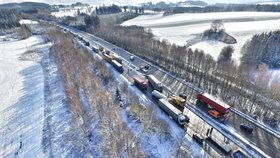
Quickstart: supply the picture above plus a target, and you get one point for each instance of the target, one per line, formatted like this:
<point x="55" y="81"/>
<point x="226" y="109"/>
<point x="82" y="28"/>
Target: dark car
<point x="131" y="58"/>
<point x="256" y="117"/>
<point x="198" y="137"/>
<point x="87" y="44"/>
<point x="246" y="128"/>
<point x="239" y="154"/>
<point x="182" y="95"/>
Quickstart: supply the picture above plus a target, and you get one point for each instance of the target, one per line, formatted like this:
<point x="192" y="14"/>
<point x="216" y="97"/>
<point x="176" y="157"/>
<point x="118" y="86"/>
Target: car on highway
<point x="132" y="58"/>
<point x="182" y="95"/>
<point x="246" y="128"/>
<point x="256" y="117"/>
<point x="239" y="154"/>
<point x="144" y="68"/>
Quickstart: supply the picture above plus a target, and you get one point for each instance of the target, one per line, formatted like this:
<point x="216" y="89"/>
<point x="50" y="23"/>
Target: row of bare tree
<point x="97" y="125"/>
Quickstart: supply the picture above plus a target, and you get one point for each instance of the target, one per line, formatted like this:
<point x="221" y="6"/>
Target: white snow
<point x="157" y="20"/>
<point x="21" y="101"/>
<point x="72" y="11"/>
<point x="26" y="21"/>
<point x="179" y="28"/>
<point x="269" y="3"/>
<point x="65" y="12"/>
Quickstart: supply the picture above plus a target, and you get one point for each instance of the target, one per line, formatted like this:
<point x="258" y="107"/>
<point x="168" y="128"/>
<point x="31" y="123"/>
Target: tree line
<point x="9" y="18"/>
<point x="83" y="21"/>
<point x="262" y="48"/>
<point x="108" y="9"/>
<point x="223" y="78"/>
<point x="226" y="8"/>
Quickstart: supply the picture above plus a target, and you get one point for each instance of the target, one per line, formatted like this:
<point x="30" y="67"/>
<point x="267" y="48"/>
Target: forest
<point x="262" y="48"/>
<point x="228" y="8"/>
<point x="108" y="9"/>
<point x="9" y="19"/>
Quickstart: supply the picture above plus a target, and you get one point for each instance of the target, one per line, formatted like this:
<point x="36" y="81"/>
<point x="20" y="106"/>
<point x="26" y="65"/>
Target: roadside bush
<point x="146" y="116"/>
<point x="25" y="31"/>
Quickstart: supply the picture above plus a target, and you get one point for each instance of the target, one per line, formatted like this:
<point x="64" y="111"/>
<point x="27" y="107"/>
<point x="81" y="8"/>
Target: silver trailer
<point x="155" y="83"/>
<point x="172" y="111"/>
<point x="117" y="66"/>
<point x="156" y="94"/>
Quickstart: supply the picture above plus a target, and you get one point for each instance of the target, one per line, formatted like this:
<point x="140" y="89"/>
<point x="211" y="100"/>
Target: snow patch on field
<point x="21" y="100"/>
<point x="28" y="22"/>
<point x="57" y="124"/>
<point x="65" y="12"/>
<point x="179" y="28"/>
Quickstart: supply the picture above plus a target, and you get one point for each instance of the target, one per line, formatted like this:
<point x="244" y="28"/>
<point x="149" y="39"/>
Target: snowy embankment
<point x="21" y="101"/>
<point x="180" y="28"/>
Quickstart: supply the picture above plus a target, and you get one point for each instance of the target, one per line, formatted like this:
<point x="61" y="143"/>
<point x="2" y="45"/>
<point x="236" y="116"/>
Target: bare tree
<point x="217" y="26"/>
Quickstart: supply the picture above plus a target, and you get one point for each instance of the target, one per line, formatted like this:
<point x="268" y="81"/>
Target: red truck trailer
<point x="140" y="82"/>
<point x="217" y="104"/>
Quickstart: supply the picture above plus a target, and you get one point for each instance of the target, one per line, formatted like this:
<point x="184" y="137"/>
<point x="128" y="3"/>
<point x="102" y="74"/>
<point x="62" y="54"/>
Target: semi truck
<point x="225" y="147"/>
<point x="172" y="111"/>
<point x="155" y="83"/>
<point x="117" y="66"/>
<point x="116" y="57"/>
<point x="156" y="94"/>
<point x="107" y="57"/>
<point x="140" y="82"/>
<point x="217" y="104"/>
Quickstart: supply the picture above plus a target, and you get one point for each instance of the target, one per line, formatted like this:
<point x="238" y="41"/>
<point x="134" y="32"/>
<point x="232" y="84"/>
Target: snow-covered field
<point x="21" y="101"/>
<point x="179" y="28"/>
<point x="65" y="12"/>
<point x="73" y="11"/>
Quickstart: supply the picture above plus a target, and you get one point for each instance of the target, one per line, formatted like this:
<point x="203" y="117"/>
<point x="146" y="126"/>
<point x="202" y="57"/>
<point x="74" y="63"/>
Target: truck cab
<point x="178" y="101"/>
<point x="214" y="113"/>
<point x="217" y="115"/>
<point x="198" y="137"/>
<point x="140" y="82"/>
<point x="183" y="119"/>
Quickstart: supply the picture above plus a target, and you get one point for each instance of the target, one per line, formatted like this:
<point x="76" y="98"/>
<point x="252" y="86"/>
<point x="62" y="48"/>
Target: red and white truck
<point x="217" y="104"/>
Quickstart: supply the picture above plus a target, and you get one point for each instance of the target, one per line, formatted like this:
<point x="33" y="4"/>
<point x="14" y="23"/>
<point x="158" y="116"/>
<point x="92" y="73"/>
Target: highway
<point x="269" y="146"/>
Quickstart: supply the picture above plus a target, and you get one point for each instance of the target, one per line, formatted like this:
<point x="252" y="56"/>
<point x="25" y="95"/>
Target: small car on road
<point x="246" y="128"/>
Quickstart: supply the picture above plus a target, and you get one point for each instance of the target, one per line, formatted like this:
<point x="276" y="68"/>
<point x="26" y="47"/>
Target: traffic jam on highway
<point x="174" y="105"/>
